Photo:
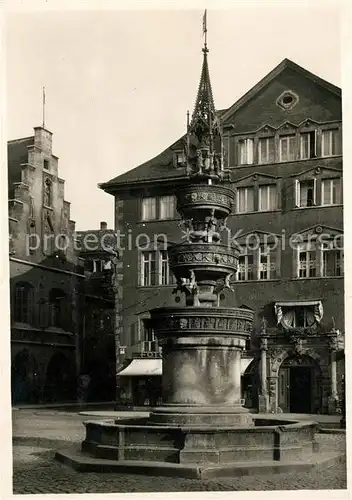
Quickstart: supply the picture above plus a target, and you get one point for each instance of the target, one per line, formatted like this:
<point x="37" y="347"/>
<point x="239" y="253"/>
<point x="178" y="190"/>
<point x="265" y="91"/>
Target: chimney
<point x="103" y="225"/>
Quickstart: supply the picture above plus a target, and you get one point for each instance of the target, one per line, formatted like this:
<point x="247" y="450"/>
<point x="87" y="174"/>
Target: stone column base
<point x="263" y="403"/>
<point x="333" y="402"/>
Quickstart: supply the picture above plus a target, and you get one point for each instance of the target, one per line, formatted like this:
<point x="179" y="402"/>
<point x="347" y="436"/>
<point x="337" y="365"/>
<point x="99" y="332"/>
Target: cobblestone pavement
<point x="36" y="471"/>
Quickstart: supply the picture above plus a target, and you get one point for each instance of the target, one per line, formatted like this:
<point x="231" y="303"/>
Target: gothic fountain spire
<point x="204" y="145"/>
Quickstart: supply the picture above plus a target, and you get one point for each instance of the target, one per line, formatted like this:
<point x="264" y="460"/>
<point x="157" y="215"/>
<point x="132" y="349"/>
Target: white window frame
<point x="246" y="151"/>
<point x="269" y="187"/>
<point x="148" y="257"/>
<point x="309" y="134"/>
<point x="265" y="140"/>
<point x="287" y="138"/>
<point x="298" y="192"/>
<point x="331" y="181"/>
<point x="167" y="201"/>
<point x="164" y="265"/>
<point x="145" y="201"/>
<point x="308" y="248"/>
<point x="323" y="139"/>
<point x="245" y="188"/>
<point x="246" y="268"/>
<point x="270" y="263"/>
<point x="328" y="247"/>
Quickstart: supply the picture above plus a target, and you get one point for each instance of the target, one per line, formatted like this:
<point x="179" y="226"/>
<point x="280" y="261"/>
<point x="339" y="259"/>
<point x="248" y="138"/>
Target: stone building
<point x="98" y="363"/>
<point x="45" y="275"/>
<point x="283" y="150"/>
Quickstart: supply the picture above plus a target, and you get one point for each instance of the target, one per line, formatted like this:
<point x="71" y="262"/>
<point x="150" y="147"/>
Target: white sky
<point x="119" y="83"/>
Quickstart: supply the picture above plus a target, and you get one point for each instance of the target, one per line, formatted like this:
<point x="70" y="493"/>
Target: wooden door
<point x="284" y="389"/>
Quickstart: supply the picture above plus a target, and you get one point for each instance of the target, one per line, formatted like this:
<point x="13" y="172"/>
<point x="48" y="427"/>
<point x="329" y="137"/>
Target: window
<point x="57" y="308"/>
<point x="148" y="274"/>
<point x="305" y="193"/>
<point x="97" y="266"/>
<point x="165" y="275"/>
<point x="267" y="197"/>
<point x="149" y="344"/>
<point x="23" y="304"/>
<point x="331" y="191"/>
<point x="267" y="268"/>
<point x="331" y="142"/>
<point x="245" y="151"/>
<point x="308" y="145"/>
<point x="307" y="260"/>
<point x="179" y="158"/>
<point x="287" y="148"/>
<point x="245" y="199"/>
<point x="266" y="150"/>
<point x="167" y="207"/>
<point x="149" y="208"/>
<point x="332" y="260"/>
<point x="299" y="317"/>
<point x="245" y="270"/>
<point x="46" y="164"/>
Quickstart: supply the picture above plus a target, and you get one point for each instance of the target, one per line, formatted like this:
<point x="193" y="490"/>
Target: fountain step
<point x="82" y="462"/>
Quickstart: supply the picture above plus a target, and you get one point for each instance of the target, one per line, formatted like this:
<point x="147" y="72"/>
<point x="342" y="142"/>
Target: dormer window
<point x="179" y="159"/>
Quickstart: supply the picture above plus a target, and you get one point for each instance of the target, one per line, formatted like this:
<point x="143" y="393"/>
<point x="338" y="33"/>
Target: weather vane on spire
<point x="205" y="30"/>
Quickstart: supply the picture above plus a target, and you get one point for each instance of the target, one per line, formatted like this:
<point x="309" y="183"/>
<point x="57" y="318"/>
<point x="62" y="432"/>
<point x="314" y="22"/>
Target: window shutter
<point x="297" y="192"/>
<point x="314" y="191"/>
<point x="250" y="147"/>
<point x="315" y="143"/>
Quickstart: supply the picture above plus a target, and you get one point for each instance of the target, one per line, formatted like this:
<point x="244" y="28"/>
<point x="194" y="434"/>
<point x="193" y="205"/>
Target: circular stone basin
<point x="202" y="320"/>
<point x="134" y="439"/>
<point x="205" y="196"/>
<point x="211" y="259"/>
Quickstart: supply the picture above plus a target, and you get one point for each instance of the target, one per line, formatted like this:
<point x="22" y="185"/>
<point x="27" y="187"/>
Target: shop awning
<point x="142" y="367"/>
<point x="150" y="367"/>
<point x="245" y="362"/>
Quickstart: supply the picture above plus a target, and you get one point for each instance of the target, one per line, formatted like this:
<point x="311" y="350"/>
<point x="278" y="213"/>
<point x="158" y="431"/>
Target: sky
<point x="119" y="83"/>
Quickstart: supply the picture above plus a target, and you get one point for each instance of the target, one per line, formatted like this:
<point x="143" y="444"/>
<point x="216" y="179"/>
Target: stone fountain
<point x="201" y="429"/>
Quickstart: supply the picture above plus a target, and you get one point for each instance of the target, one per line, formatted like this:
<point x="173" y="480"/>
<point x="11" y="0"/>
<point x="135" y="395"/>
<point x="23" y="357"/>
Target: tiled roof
<point x="161" y="167"/>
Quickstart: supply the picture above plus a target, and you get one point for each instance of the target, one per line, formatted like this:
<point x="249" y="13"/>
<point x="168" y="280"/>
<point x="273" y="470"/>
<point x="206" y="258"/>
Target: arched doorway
<point x="24" y="378"/>
<point x="300" y="385"/>
<point x="60" y="382"/>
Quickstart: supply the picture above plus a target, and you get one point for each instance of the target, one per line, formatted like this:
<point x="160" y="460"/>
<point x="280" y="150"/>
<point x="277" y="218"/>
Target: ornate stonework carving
<point x="236" y="321"/>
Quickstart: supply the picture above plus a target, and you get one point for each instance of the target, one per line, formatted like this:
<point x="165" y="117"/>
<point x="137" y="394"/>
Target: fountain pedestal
<point x="201" y="365"/>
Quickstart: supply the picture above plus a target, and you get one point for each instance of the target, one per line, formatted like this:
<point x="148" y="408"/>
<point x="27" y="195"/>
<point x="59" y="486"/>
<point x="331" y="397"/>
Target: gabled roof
<point x="286" y="63"/>
<point x="161" y="167"/>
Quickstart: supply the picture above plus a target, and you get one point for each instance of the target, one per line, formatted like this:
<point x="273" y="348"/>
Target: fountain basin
<point x="136" y="440"/>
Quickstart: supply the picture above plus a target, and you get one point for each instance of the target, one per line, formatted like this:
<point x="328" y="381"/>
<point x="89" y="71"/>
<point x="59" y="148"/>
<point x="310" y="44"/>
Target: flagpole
<point x="43" y="107"/>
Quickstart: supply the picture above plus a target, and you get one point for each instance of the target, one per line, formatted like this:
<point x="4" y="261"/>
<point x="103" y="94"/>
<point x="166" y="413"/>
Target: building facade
<point x="283" y="152"/>
<point x="45" y="275"/>
<point x="98" y="363"/>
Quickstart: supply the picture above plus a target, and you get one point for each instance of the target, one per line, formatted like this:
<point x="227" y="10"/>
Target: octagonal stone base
<point x="138" y="440"/>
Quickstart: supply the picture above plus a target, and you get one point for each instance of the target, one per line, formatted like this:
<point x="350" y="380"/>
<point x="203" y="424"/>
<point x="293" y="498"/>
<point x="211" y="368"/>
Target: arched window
<point x="57" y="308"/>
<point x="24" y="302"/>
